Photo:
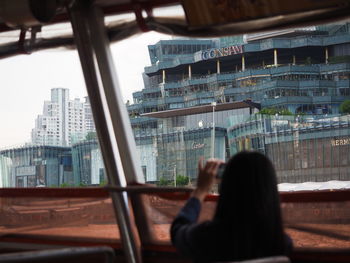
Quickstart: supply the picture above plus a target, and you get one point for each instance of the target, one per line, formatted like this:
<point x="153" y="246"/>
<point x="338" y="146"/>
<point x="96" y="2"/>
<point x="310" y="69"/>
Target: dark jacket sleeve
<point x="183" y="225"/>
<point x="289" y="244"/>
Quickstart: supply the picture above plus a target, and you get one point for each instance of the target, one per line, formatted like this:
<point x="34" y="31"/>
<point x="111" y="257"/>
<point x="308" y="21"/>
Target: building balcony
<point x="267" y="72"/>
<point x="134" y="107"/>
<point x="295" y="69"/>
<point x="333" y="40"/>
<point x="140" y="120"/>
<point x="262" y="45"/>
<point x="261" y="72"/>
<point x="177" y="99"/>
<point x="285" y="100"/>
<point x="334" y="67"/>
<point x="329" y="99"/>
<point x="151" y="90"/>
<point x="303" y="100"/>
<point x="199" y="95"/>
<point x="149" y="103"/>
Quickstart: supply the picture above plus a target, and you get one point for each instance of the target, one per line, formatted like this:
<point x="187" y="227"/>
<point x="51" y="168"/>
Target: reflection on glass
<point x="296" y="81"/>
<point x="297" y="145"/>
<point x="63" y="150"/>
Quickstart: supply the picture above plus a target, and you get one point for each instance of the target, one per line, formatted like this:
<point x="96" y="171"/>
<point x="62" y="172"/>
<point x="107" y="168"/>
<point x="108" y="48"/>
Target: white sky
<point x="26" y="81"/>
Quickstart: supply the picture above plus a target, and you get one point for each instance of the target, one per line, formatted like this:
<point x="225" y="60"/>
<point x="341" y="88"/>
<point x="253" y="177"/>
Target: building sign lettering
<point x="198" y="145"/>
<point x="338" y="142"/>
<point x="218" y="52"/>
<point x="25" y="170"/>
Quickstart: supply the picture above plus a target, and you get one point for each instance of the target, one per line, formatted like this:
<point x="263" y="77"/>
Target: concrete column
<point x="275" y="60"/>
<point x="243" y="63"/>
<point x="218" y="66"/>
<point x="163" y="76"/>
<point x="294" y="60"/>
<point x="326" y="55"/>
<point x="189" y="72"/>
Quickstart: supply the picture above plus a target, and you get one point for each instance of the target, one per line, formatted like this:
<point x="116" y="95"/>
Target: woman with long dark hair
<point x="247" y="223"/>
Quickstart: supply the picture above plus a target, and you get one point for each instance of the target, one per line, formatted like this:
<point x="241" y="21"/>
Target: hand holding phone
<point x="206" y="177"/>
<point x="220" y="170"/>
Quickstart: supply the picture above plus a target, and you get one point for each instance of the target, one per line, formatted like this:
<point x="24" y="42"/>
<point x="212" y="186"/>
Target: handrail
<point x="45" y="192"/>
<point x="175" y="193"/>
<point x="148" y="189"/>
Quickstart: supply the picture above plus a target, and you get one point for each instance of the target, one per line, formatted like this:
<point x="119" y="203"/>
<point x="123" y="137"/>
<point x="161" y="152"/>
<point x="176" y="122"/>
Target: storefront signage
<point x="25" y="170"/>
<point x="338" y="142"/>
<point x="218" y="52"/>
<point x="198" y="145"/>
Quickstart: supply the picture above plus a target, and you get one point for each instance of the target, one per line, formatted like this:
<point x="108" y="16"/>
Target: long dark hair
<point x="249" y="207"/>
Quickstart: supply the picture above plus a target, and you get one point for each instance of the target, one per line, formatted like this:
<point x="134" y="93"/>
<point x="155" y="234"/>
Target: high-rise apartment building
<point x="88" y="119"/>
<point x="63" y="121"/>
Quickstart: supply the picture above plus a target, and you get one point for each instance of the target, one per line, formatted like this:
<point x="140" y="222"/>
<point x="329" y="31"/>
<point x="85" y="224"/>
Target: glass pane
<point x="48" y="136"/>
<point x="69" y="219"/>
<point x="310" y="224"/>
<point x="298" y="121"/>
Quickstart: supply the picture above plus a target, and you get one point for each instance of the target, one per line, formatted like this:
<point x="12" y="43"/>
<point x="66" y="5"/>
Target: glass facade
<point x="88" y="168"/>
<point x="36" y="166"/>
<point x="52" y="166"/>
<point x="173" y="145"/>
<point x="177" y="153"/>
<point x="302" y="148"/>
<point x="306" y="73"/>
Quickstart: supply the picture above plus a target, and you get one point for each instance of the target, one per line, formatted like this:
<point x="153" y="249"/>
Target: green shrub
<point x="345" y="107"/>
<point x="91" y="136"/>
<point x="163" y="182"/>
<point x="182" y="180"/>
<point x="274" y="111"/>
<point x="339" y="59"/>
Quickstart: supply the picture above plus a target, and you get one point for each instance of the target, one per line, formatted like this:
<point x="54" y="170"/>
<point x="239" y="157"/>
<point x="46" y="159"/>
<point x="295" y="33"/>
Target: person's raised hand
<point x="206" y="177"/>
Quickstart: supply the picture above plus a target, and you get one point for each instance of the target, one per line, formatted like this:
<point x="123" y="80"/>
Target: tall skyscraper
<point x="63" y="121"/>
<point x="88" y="119"/>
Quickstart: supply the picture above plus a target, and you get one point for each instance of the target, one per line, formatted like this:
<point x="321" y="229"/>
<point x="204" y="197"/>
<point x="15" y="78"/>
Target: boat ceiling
<point x="58" y="33"/>
<point x="110" y="7"/>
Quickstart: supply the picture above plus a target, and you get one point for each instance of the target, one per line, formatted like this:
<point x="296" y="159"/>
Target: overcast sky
<point x="26" y="81"/>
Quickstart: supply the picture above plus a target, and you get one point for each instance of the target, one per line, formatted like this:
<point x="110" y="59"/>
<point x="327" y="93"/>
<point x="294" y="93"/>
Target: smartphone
<point x="221" y="170"/>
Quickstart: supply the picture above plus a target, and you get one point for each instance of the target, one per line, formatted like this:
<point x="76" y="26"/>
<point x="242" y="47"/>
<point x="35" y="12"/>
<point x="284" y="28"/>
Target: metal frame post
<point x="243" y="63"/>
<point x="213" y="104"/>
<point x="80" y="14"/>
<point x="218" y="70"/>
<point x="117" y="109"/>
<point x="275" y="59"/>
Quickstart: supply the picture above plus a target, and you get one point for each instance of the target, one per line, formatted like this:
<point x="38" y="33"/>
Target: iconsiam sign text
<point x="220" y="52"/>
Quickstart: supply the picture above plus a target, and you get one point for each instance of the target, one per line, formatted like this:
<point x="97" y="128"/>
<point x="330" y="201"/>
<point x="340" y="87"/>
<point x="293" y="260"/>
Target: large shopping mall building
<point x="195" y="85"/>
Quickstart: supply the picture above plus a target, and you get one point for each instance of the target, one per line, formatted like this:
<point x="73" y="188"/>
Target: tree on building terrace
<point x="91" y="136"/>
<point x="345" y="107"/>
<point x="181" y="180"/>
<point x="274" y="111"/>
